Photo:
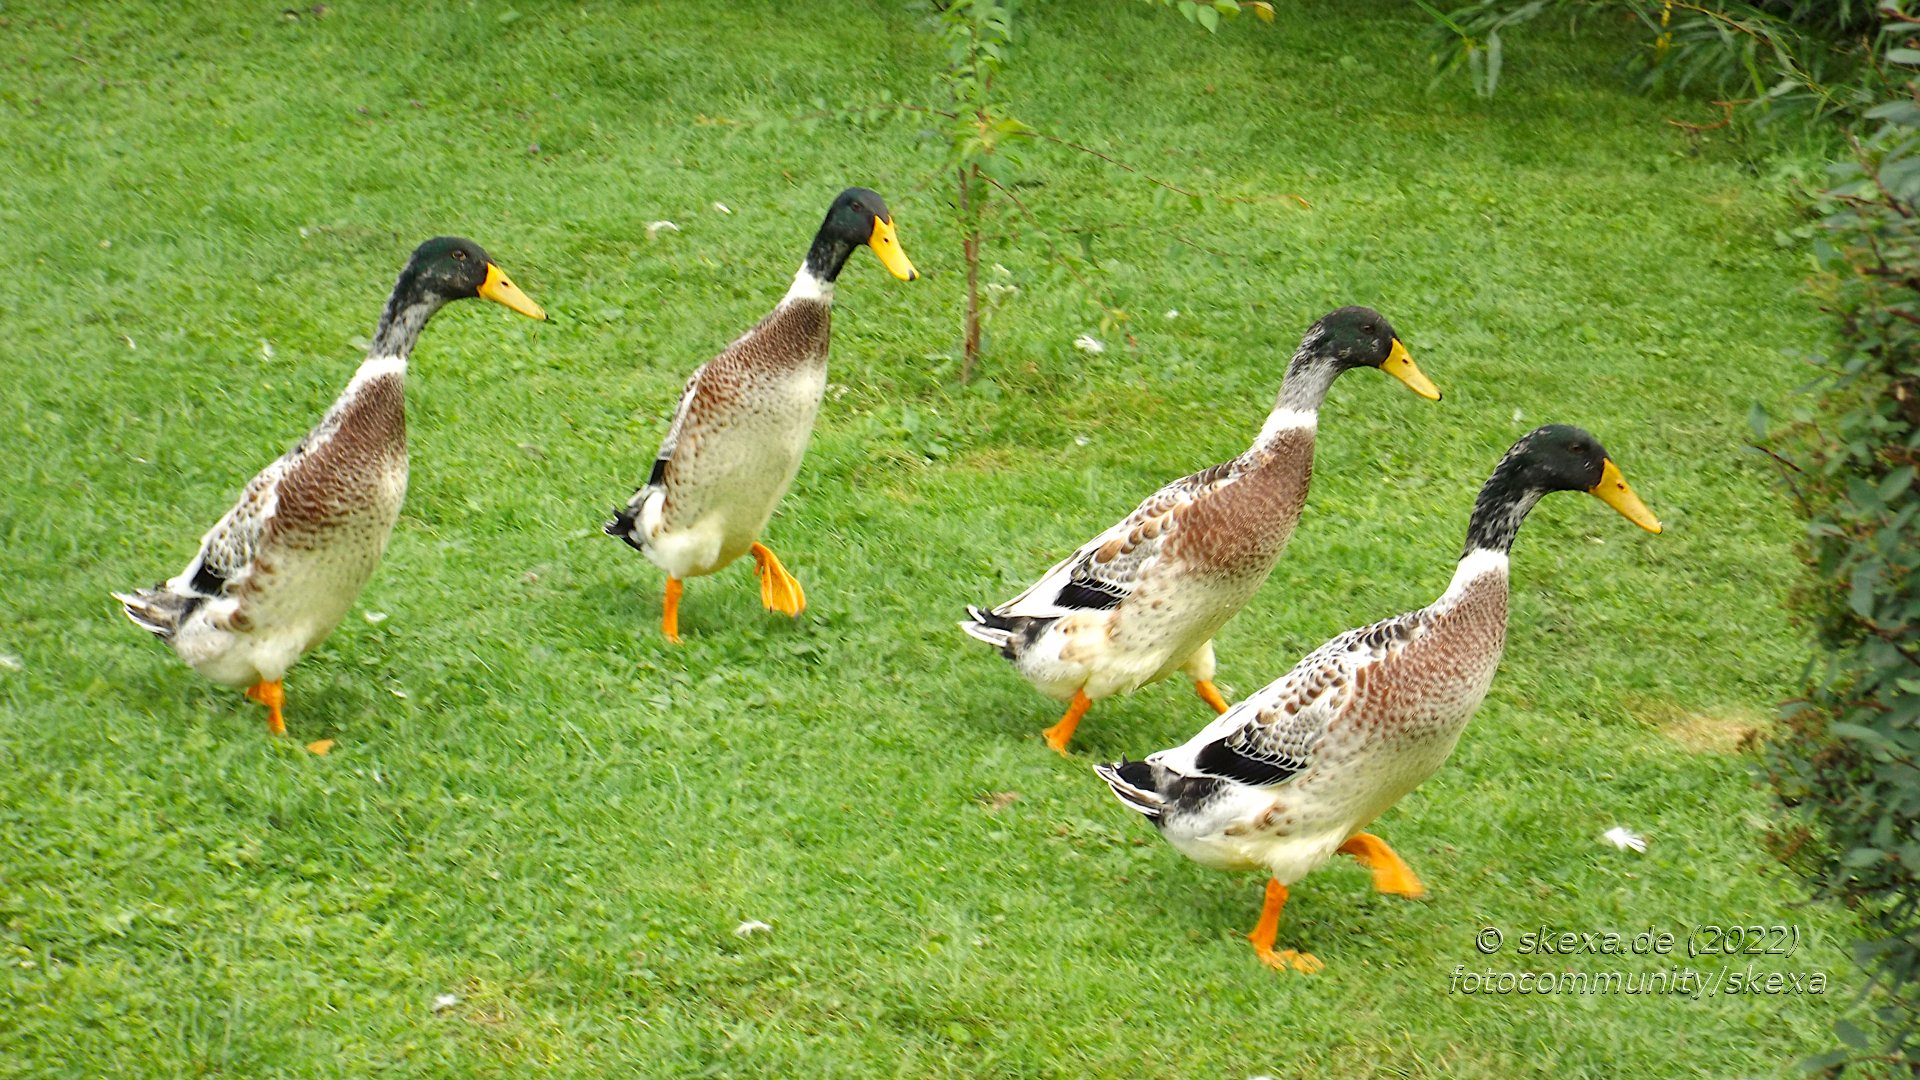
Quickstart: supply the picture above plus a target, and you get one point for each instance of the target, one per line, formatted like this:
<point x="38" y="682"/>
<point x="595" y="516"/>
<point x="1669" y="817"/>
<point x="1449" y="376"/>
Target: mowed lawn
<point x="537" y="806"/>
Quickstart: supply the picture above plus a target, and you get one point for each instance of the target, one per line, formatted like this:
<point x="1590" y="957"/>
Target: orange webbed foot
<point x="1210" y="694"/>
<point x="1268" y="927"/>
<point x="779" y="590"/>
<point x="1289" y="960"/>
<point x="1391" y="874"/>
<point x="273" y="695"/>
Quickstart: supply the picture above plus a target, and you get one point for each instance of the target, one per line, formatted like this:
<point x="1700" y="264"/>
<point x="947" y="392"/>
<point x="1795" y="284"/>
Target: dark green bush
<point x="1847" y="758"/>
<point x="1787" y="57"/>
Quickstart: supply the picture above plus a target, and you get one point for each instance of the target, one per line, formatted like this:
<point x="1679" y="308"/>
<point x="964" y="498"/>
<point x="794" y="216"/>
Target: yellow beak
<point x="1401" y="366"/>
<point x="886" y="244"/>
<point x="1613" y="490"/>
<point x="501" y="291"/>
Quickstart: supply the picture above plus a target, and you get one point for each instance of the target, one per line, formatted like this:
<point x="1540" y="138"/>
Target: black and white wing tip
<point x="1132" y="783"/>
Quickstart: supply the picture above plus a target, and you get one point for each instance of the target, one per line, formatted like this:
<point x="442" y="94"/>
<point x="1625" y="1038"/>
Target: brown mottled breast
<point x="344" y="475"/>
<point x="748" y="379"/>
<point x="1241" y="528"/>
<point x="792" y="334"/>
<point x="1436" y="680"/>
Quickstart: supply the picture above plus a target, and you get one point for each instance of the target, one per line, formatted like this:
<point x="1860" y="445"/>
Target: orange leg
<point x="670" y="612"/>
<point x="778" y="589"/>
<point x="273" y="695"/>
<point x="1268" y="926"/>
<point x="1059" y="734"/>
<point x="1210" y="694"/>
<point x="1390" y="873"/>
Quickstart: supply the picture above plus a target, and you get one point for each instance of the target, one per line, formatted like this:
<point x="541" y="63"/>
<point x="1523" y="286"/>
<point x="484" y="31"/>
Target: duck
<point x="1145" y="598"/>
<point x="743" y="424"/>
<point x="1294" y="774"/>
<point x="277" y="573"/>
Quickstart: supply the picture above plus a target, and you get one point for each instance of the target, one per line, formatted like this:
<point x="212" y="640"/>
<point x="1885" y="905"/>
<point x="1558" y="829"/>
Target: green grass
<point x="538" y="805"/>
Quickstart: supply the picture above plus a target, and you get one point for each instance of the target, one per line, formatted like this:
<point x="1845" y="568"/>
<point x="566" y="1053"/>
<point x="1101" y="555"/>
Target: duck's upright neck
<point x="1309" y="377"/>
<point x="1503" y="504"/>
<point x="1301" y="394"/>
<point x="809" y="286"/>
<point x="825" y="259"/>
<point x="406" y="314"/>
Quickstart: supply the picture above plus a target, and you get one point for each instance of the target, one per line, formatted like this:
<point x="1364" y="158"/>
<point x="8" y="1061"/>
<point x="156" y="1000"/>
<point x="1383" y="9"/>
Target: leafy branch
<point x="985" y="147"/>
<point x="1817" y="57"/>
<point x="1208" y="13"/>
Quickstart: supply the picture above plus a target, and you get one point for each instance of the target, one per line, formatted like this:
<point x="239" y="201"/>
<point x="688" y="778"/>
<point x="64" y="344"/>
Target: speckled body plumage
<point x="743" y="424"/>
<point x="277" y="572"/>
<point x="1288" y="775"/>
<point x="736" y="442"/>
<point x="1144" y="598"/>
<point x="1176" y="569"/>
<point x="1294" y="774"/>
<point x="275" y="576"/>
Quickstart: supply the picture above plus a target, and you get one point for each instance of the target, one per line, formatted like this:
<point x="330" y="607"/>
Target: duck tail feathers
<point x="159" y="610"/>
<point x="1011" y="634"/>
<point x="622" y="527"/>
<point x="990" y="628"/>
<point x="1133" y="784"/>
